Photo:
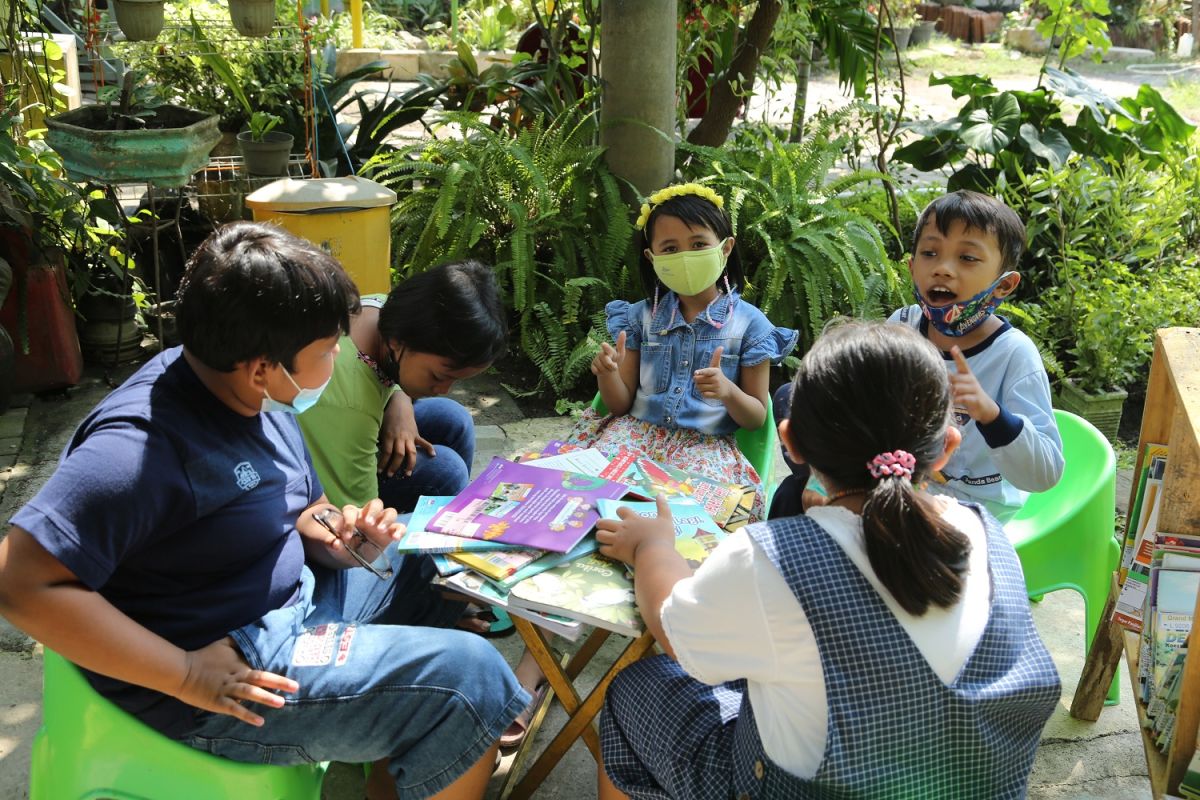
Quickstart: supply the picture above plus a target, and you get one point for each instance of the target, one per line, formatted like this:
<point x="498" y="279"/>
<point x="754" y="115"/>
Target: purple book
<point x="512" y="503"/>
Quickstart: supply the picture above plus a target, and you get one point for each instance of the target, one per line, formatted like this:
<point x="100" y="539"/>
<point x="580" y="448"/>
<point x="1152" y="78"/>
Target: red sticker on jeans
<point x="343" y="651"/>
<point x="315" y="646"/>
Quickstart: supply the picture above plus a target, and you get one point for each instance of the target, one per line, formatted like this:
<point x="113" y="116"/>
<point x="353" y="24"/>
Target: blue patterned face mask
<point x="959" y="319"/>
<point x="303" y="401"/>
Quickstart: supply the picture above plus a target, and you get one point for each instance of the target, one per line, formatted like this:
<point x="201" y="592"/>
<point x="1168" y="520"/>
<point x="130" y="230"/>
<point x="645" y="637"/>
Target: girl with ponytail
<point x="879" y="646"/>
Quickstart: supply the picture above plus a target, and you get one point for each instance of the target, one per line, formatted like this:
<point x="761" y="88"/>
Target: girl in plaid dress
<point x="880" y="646"/>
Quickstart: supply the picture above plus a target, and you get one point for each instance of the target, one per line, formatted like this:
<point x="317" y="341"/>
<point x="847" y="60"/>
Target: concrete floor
<point x="1101" y="760"/>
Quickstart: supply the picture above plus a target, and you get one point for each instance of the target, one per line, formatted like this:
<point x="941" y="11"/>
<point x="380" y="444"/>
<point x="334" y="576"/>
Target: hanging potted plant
<point x="252" y="17"/>
<point x="265" y="149"/>
<point x="139" y="20"/>
<point x="129" y="136"/>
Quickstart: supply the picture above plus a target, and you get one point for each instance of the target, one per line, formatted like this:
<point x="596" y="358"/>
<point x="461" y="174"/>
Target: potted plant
<point x="265" y="149"/>
<point x="252" y="17"/>
<point x="128" y="137"/>
<point x="139" y="20"/>
<point x="904" y="18"/>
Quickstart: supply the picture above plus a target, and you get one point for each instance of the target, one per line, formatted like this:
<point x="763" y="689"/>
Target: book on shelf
<point x="537" y="508"/>
<point x="599" y="591"/>
<point x="419" y="540"/>
<point x="1153" y="459"/>
<point x="1135" y="578"/>
<point x="480" y="589"/>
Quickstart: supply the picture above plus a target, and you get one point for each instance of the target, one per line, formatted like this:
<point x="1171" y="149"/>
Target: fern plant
<point x="810" y="254"/>
<point x="541" y="206"/>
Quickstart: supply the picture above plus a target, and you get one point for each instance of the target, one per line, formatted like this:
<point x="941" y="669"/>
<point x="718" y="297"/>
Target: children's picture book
<point x="598" y="590"/>
<point x="511" y="503"/>
<point x="587" y="544"/>
<point x="498" y="564"/>
<point x="589" y="461"/>
<point x="689" y="517"/>
<point x="729" y="504"/>
<point x="445" y="566"/>
<point x="418" y="540"/>
<point x="478" y="588"/>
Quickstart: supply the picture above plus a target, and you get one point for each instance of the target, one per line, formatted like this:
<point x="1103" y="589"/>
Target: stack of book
<point x="521" y="535"/>
<point x="1160" y="574"/>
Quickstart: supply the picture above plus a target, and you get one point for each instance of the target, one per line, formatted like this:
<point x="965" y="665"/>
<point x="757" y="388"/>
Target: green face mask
<point x="690" y="272"/>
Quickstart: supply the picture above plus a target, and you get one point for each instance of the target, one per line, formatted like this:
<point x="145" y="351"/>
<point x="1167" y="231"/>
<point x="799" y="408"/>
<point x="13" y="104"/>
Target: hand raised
<point x="219" y="680"/>
<point x="609" y="358"/>
<point x="711" y="381"/>
<point x="967" y="393"/>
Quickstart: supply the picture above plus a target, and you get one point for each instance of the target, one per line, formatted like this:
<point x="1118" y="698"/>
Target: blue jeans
<point x="373" y="683"/>
<point x="449" y="427"/>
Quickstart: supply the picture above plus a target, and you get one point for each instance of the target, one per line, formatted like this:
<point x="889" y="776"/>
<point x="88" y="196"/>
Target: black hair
<point x="979" y="212"/>
<point x="254" y="290"/>
<point x="452" y="310"/>
<point x="695" y="212"/>
<point x="867" y="388"/>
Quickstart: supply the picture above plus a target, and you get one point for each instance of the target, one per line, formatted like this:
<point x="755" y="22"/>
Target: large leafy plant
<point x="541" y="206"/>
<point x="811" y="254"/>
<point x="999" y="134"/>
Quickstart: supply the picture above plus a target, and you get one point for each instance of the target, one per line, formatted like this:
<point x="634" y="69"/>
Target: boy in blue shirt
<point x="185" y="556"/>
<point x="965" y="252"/>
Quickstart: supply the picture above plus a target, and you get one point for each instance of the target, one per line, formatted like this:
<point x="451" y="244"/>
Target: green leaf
<point x="1050" y="146"/>
<point x="990" y="131"/>
<point x="973" y="86"/>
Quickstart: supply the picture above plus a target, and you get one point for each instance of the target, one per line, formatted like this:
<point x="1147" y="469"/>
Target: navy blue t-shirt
<point x="180" y="512"/>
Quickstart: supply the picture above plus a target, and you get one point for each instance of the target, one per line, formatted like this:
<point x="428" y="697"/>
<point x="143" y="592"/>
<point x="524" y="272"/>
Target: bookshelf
<point x="1172" y="416"/>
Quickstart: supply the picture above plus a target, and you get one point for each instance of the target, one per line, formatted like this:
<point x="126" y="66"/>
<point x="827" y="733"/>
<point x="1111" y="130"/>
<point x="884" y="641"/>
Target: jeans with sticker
<point x="379" y="678"/>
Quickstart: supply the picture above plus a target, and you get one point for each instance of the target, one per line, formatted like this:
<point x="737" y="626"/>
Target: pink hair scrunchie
<point x="896" y="463"/>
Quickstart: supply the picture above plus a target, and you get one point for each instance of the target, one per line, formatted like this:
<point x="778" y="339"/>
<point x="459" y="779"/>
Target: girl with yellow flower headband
<point x="689" y="364"/>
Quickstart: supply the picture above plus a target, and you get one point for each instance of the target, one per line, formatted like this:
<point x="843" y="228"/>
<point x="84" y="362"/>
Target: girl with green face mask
<point x="688" y="365"/>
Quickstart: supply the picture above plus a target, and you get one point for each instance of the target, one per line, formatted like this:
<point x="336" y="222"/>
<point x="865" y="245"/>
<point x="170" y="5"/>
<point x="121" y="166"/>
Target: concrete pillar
<point x="637" y="65"/>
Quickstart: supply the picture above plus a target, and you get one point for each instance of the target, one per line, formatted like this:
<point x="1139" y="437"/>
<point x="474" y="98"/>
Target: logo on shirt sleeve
<point x="247" y="477"/>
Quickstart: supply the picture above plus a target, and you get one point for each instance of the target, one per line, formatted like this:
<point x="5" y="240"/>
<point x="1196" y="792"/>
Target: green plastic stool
<point x="1064" y="536"/>
<point x="759" y="447"/>
<point x="88" y="748"/>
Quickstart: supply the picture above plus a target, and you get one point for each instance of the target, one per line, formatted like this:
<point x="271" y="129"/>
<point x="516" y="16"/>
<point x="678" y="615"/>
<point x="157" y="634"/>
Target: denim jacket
<point x="671" y="350"/>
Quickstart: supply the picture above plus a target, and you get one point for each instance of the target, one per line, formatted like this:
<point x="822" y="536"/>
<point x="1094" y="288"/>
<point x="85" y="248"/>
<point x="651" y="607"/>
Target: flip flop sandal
<point x="499" y="624"/>
<point x="519" y="728"/>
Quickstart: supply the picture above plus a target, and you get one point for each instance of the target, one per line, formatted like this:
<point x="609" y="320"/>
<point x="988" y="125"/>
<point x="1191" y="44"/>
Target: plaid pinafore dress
<point x="894" y="729"/>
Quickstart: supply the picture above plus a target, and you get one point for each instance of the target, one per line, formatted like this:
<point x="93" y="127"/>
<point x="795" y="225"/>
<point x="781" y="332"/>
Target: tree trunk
<point x="723" y="102"/>
<point x="803" y="71"/>
<point x="637" y="106"/>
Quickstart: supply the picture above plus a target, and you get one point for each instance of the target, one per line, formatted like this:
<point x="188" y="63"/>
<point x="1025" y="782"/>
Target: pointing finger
<point x="960" y="361"/>
<point x="716" y="358"/>
<point x="621" y="344"/>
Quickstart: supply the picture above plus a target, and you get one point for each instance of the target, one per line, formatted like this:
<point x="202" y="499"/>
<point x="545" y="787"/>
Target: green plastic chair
<point x="1064" y="536"/>
<point x="87" y="748"/>
<point x="758" y="446"/>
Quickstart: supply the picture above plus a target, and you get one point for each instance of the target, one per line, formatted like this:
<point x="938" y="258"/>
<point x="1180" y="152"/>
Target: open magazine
<point x="518" y="504"/>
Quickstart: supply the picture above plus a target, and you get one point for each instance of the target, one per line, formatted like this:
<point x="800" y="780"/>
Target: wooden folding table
<point x="580" y="713"/>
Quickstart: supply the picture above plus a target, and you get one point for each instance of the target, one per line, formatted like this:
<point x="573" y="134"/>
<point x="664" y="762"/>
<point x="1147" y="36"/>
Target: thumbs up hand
<point x="609" y="358"/>
<point x="711" y="381"/>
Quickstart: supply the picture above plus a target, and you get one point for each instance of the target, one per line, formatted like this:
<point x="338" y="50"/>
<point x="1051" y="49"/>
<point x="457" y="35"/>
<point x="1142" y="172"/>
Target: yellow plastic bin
<point x="346" y="217"/>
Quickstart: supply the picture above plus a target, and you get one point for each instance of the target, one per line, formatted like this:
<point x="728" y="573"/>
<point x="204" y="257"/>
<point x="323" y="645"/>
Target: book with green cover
<point x="599" y="591"/>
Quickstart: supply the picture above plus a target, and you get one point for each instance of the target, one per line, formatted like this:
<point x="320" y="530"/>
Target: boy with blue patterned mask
<point x="966" y="249"/>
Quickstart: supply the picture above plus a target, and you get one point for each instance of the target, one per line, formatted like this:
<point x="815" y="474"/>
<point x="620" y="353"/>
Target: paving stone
<point x="12" y="423"/>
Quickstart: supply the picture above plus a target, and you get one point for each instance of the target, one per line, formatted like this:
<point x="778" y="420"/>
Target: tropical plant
<point x="999" y="134"/>
<point x="539" y="205"/>
<point x="261" y="123"/>
<point x="1076" y="25"/>
<point x="811" y="254"/>
<point x="130" y="104"/>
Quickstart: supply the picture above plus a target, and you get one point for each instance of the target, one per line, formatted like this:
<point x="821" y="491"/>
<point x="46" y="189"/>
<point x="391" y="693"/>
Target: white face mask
<point x="303" y="401"/>
<point x="690" y="272"/>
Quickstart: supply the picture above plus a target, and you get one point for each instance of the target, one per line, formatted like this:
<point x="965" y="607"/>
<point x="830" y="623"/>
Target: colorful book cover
<point x="498" y="564"/>
<point x="729" y="504"/>
<point x="513" y="503"/>
<point x="587" y="544"/>
<point x="689" y="517"/>
<point x="418" y="540"/>
<point x="480" y="589"/>
<point x="445" y="566"/>
<point x="598" y="590"/>
<point x="1150" y="454"/>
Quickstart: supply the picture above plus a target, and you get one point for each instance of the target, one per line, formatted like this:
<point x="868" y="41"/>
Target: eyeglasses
<point x="365" y="552"/>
